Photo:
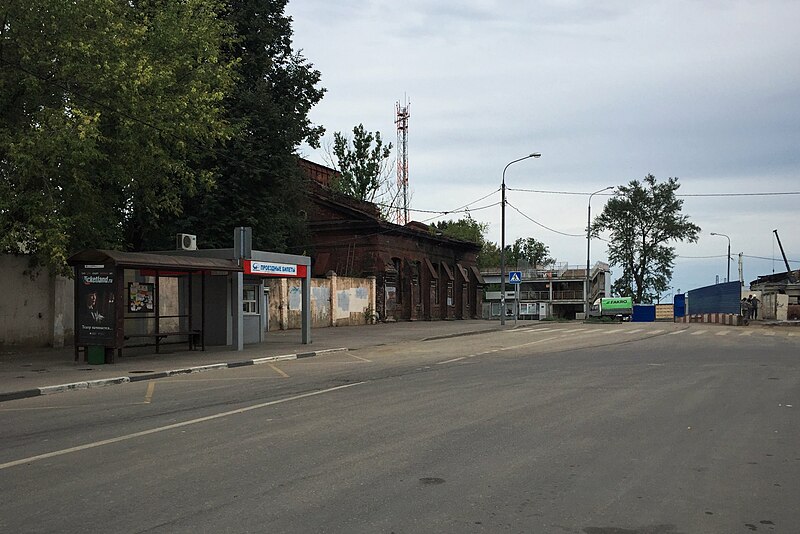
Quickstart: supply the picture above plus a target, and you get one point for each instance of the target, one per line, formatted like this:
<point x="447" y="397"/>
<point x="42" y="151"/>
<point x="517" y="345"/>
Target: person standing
<point x="745" y="310"/>
<point x="753" y="300"/>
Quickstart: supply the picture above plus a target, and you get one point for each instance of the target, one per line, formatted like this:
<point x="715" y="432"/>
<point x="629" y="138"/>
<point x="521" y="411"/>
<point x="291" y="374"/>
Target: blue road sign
<point x="514" y="277"/>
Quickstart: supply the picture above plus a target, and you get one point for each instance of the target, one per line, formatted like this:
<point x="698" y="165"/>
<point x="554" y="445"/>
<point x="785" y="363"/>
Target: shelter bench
<point x="194" y="338"/>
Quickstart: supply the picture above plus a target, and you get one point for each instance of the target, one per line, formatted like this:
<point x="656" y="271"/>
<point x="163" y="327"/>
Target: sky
<point x="608" y="92"/>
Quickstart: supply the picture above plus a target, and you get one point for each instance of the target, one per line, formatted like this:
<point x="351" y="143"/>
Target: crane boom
<point x="785" y="261"/>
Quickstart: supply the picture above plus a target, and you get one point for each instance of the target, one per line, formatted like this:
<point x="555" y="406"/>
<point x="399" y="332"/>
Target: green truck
<point x="620" y="308"/>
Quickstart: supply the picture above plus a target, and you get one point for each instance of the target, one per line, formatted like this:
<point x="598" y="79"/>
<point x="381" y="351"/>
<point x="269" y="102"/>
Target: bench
<point x="194" y="336"/>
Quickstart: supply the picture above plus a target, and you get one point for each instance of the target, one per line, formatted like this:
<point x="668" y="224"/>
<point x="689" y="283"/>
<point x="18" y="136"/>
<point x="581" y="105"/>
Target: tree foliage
<point x="643" y="218"/>
<point x="530" y="250"/>
<point x="363" y="162"/>
<point x="106" y="108"/>
<point x="468" y="229"/>
<point x="259" y="183"/>
<point x="465" y="229"/>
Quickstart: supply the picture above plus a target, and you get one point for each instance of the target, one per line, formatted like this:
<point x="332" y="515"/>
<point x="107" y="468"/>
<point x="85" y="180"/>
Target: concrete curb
<point x="61" y="388"/>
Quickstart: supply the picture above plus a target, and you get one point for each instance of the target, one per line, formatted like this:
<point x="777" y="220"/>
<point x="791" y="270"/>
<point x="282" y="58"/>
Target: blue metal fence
<point x="719" y="298"/>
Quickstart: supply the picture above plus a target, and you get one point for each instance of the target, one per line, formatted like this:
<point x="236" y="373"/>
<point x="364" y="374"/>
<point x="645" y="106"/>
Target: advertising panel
<point x="96" y="316"/>
<point x="141" y="297"/>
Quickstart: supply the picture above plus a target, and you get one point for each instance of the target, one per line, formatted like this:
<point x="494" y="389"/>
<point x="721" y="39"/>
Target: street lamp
<point x="729" y="253"/>
<point x="588" y="248"/>
<point x="503" y="239"/>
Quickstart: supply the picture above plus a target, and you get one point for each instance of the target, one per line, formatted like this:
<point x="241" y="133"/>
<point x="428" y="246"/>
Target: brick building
<point x="419" y="275"/>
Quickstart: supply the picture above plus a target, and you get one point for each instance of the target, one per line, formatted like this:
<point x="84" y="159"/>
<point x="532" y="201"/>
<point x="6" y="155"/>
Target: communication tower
<point x="403" y="113"/>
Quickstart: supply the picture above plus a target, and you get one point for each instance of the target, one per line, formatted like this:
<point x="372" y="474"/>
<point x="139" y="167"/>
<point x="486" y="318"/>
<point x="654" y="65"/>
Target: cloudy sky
<point x="706" y="91"/>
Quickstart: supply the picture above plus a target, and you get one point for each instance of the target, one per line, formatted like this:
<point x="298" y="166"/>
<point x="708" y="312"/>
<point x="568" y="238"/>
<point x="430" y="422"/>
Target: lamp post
<point x="729" y="253"/>
<point x="588" y="249"/>
<point x="503" y="239"/>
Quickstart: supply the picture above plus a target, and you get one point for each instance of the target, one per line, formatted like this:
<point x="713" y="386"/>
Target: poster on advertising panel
<point x="96" y="307"/>
<point x="141" y="297"/>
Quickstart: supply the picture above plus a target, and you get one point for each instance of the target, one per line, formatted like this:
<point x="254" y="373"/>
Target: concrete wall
<point x="34" y="312"/>
<point x="774" y="307"/>
<point x="335" y="301"/>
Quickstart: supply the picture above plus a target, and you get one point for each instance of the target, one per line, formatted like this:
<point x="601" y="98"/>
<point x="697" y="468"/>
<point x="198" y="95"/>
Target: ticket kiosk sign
<point x="268" y="268"/>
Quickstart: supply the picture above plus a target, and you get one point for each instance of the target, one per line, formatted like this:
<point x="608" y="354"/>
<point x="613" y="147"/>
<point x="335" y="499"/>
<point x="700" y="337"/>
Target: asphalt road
<point x="566" y="428"/>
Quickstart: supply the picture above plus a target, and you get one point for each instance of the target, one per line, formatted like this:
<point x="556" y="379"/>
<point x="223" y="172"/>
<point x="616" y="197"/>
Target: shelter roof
<point x="146" y="260"/>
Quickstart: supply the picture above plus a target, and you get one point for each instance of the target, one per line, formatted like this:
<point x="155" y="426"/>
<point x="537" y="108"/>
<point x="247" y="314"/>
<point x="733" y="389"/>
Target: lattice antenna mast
<point x="403" y="113"/>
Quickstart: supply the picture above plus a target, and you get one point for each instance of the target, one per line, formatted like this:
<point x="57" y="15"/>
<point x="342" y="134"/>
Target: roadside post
<point x="515" y="277"/>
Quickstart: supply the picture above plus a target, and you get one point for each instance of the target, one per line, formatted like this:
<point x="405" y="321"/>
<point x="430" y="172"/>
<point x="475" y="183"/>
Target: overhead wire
<point x="578" y="193"/>
<point x="542" y="225"/>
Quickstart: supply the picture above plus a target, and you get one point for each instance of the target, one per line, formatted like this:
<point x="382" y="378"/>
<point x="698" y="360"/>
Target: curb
<point x="87" y="384"/>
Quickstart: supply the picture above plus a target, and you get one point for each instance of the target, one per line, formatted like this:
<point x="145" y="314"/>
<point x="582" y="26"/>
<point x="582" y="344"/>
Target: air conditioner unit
<point x="186" y="242"/>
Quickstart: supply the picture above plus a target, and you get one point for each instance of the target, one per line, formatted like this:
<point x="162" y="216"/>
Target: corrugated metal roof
<point x="143" y="260"/>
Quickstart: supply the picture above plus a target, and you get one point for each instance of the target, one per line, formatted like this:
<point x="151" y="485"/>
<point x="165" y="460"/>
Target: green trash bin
<point x="96" y="355"/>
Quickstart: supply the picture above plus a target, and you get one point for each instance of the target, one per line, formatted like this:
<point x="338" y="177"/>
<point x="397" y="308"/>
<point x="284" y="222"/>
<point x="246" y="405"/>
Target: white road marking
<point x="675" y="333"/>
<point x="747" y="333"/>
<point x="723" y="333"/>
<point x="656" y="332"/>
<point x="635" y="330"/>
<point x="697" y="333"/>
<point x="769" y="333"/>
<point x="451" y="361"/>
<point x="170" y="427"/>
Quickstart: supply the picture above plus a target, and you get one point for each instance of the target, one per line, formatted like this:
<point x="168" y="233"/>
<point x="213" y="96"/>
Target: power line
<point x="543" y="226"/>
<point x="578" y="193"/>
<point x="769" y="259"/>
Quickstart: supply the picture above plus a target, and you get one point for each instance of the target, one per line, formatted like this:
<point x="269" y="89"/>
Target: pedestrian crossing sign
<point x="514" y="277"/>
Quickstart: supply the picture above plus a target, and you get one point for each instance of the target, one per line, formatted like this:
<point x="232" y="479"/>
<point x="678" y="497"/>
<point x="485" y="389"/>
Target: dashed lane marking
<point x="723" y="333"/>
<point x="635" y="330"/>
<point x="359" y="357"/>
<point x="451" y="361"/>
<point x="769" y="333"/>
<point x="697" y="333"/>
<point x="675" y="333"/>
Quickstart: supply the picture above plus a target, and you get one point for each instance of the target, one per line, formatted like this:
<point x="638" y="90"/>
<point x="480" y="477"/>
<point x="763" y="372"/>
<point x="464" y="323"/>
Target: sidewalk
<point x="41" y="371"/>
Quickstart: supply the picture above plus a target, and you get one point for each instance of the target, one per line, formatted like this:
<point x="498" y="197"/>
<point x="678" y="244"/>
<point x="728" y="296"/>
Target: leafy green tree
<point x="106" y="109"/>
<point x="465" y="229"/>
<point x="643" y="218"/>
<point x="468" y="229"/>
<point x="259" y="183"/>
<point x="363" y="163"/>
<point x="534" y="252"/>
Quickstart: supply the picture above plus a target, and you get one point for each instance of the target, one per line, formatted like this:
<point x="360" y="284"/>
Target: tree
<point x="530" y="250"/>
<point x="465" y="229"/>
<point x="259" y="183"/>
<point x="643" y="217"/>
<point x="468" y="229"/>
<point x="106" y="109"/>
<point x="362" y="162"/>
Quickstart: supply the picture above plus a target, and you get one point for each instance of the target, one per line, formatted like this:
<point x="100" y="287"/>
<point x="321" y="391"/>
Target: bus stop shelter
<point x="192" y="297"/>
